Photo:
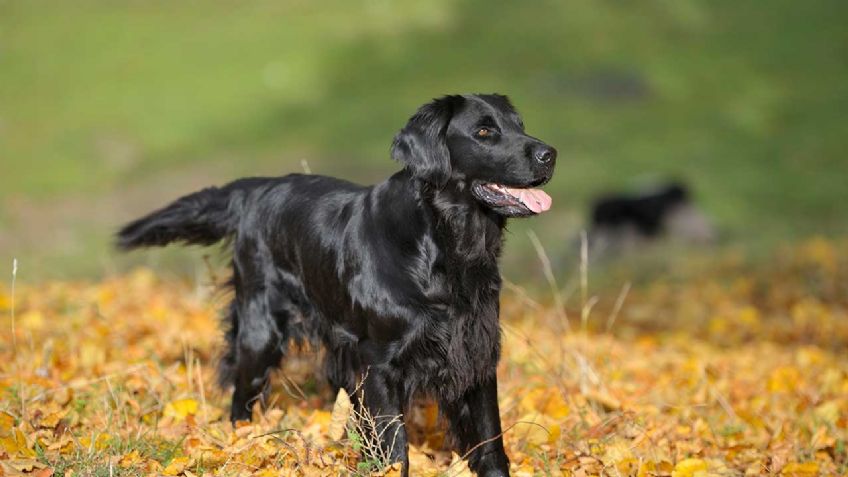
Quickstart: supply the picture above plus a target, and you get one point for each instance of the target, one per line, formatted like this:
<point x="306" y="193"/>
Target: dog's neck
<point x="467" y="232"/>
<point x="462" y="225"/>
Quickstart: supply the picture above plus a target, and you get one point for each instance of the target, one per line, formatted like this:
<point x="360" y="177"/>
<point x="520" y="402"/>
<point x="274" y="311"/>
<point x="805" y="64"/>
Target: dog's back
<point x="214" y="213"/>
<point x="200" y="218"/>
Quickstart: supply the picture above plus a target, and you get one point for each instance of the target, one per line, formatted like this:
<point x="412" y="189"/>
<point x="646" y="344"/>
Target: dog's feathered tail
<point x="200" y="218"/>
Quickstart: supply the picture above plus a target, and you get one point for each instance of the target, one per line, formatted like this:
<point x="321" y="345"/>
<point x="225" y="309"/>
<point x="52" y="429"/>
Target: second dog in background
<point x="623" y="221"/>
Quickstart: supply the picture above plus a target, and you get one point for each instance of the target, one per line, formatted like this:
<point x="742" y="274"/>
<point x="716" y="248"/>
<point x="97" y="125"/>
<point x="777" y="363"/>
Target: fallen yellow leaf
<point x="393" y="470"/>
<point x="180" y="408"/>
<point x="537" y="429"/>
<point x="784" y="379"/>
<point x="130" y="459"/>
<point x="555" y="406"/>
<point x="177" y="466"/>
<point x="26" y="465"/>
<point x="32" y="320"/>
<point x="51" y="420"/>
<point x="15" y="443"/>
<point x="322" y="418"/>
<point x="5" y="301"/>
<point x="689" y="468"/>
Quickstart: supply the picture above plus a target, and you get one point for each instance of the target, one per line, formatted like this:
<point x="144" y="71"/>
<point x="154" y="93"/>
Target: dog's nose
<point x="545" y="154"/>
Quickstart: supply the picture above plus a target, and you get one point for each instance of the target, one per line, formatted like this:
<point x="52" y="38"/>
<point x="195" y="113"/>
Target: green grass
<point x="746" y="101"/>
<point x="96" y="462"/>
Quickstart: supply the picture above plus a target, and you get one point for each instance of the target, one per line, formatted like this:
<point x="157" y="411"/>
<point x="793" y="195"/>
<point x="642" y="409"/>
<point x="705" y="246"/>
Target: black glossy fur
<point x="399" y="281"/>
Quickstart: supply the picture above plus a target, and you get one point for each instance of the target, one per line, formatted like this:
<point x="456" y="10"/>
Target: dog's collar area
<point x="533" y="201"/>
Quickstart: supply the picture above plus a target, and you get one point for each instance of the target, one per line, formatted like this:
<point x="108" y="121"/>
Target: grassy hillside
<point x="109" y="108"/>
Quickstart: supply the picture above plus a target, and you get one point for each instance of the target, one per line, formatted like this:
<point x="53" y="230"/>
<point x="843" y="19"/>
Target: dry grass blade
<point x="12" y="311"/>
<point x="584" y="280"/>
<point x="304" y="164"/>
<point x="619" y="303"/>
<point x="548" y="271"/>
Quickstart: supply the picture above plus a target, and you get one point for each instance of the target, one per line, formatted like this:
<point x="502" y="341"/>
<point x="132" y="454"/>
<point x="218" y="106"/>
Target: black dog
<point x="399" y="281"/>
<point x="623" y="220"/>
<point x="645" y="212"/>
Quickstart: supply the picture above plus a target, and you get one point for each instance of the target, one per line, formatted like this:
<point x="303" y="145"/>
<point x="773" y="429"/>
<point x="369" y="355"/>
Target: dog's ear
<point x="421" y="147"/>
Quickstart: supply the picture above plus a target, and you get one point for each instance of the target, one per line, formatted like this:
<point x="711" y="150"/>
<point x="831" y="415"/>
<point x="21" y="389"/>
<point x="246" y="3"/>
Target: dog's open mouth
<point x="512" y="201"/>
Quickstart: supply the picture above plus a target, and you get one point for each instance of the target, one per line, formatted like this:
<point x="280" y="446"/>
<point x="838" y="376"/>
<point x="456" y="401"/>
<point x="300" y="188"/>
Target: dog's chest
<point x="455" y="350"/>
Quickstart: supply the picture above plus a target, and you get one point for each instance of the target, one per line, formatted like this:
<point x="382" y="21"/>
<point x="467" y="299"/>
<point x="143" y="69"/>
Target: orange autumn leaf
<point x="795" y="469"/>
<point x="7" y="422"/>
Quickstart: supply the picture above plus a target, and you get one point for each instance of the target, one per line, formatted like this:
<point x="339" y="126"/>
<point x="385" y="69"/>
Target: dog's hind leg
<point x="259" y="346"/>
<point x="256" y="338"/>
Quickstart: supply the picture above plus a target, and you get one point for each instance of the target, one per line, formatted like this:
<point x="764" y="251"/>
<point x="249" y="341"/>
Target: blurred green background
<point x="110" y="108"/>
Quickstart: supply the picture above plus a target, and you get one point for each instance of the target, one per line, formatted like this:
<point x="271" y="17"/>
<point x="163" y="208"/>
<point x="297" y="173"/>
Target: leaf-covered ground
<point x="734" y="372"/>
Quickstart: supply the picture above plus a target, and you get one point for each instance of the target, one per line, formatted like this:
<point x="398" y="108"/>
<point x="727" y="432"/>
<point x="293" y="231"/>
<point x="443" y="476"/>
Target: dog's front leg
<point x="476" y="424"/>
<point x="382" y="417"/>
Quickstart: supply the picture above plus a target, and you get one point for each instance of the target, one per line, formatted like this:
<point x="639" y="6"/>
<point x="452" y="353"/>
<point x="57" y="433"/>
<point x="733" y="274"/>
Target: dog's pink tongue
<point x="534" y="199"/>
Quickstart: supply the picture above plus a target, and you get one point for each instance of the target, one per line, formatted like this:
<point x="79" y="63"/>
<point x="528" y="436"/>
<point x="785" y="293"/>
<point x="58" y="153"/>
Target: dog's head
<point x="478" y="140"/>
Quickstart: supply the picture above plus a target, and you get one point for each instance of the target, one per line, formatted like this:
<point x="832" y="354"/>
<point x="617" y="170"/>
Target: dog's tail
<point x="200" y="218"/>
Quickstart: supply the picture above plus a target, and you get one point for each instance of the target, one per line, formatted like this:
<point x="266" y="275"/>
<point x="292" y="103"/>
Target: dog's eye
<point x="485" y="132"/>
